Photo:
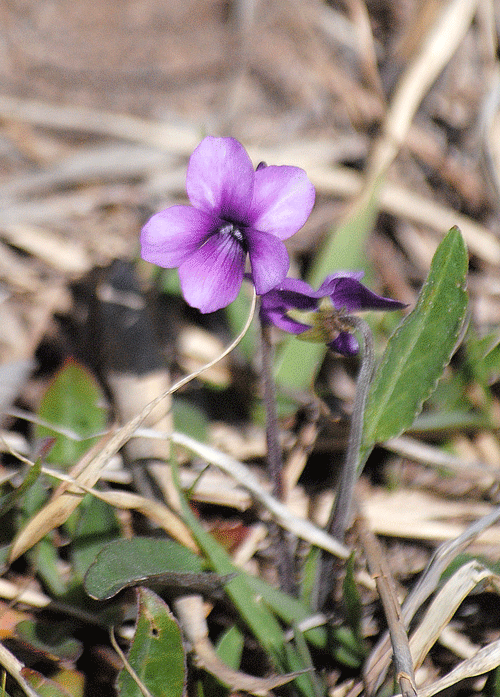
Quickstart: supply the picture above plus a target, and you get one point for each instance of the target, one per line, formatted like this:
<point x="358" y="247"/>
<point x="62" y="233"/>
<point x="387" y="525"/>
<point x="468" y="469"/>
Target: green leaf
<point x="352" y="598"/>
<point x="125" y="562"/>
<point x="157" y="652"/>
<point x="310" y="683"/>
<point x="237" y="313"/>
<point x="230" y="647"/>
<point x="288" y="609"/>
<point x="74" y="402"/>
<point x="96" y="526"/>
<point x="353" y="603"/>
<point x="421" y="347"/>
<point x="346" y="648"/>
<point x="297" y="365"/>
<point x="302" y="683"/>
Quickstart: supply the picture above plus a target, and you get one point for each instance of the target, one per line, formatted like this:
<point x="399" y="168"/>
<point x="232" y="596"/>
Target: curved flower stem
<point x="341" y="515"/>
<point x="275" y="458"/>
<point x="342" y="511"/>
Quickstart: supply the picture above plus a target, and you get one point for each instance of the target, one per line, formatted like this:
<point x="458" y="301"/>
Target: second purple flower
<point x="235" y="211"/>
<point x="346" y="293"/>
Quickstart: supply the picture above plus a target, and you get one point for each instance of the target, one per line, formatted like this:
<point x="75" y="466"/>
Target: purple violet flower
<point x="234" y="211"/>
<point x="347" y="295"/>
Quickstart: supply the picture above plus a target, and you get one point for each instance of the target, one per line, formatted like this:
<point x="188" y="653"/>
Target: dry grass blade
<point x="445" y="604"/>
<point x="433" y="456"/>
<point x="437" y="49"/>
<point x="378" y="661"/>
<point x="486" y="659"/>
<point x="441" y="559"/>
<point x="189" y="610"/>
<point x="65" y="499"/>
<point x="161" y="135"/>
<point x="19" y="593"/>
<point x="298" y="526"/>
<point x="154" y="510"/>
<point x="379" y="569"/>
<point x="404" y="203"/>
<point x="86" y="473"/>
<point x="14" y="667"/>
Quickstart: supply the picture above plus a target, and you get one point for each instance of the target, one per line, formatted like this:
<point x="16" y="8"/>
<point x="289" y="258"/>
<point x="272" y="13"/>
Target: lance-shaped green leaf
<point x="157" y="654"/>
<point x="421" y="347"/>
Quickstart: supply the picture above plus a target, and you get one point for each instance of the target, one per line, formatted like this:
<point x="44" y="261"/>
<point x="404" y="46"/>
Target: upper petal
<point x="283" y="198"/>
<point x="220" y="178"/>
<point x="211" y="277"/>
<point x="331" y="281"/>
<point x="269" y="260"/>
<point x="169" y="237"/>
<point x="348" y="293"/>
<point x="296" y="286"/>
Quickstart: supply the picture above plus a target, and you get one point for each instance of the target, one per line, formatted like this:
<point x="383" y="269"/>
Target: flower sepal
<point x="326" y="324"/>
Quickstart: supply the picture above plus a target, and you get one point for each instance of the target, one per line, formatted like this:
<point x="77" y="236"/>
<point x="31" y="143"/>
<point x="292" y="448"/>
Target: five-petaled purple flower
<point x="235" y="211"/>
<point x="347" y="295"/>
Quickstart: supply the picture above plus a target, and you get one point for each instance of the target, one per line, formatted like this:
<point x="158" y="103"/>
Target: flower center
<point x="235" y="232"/>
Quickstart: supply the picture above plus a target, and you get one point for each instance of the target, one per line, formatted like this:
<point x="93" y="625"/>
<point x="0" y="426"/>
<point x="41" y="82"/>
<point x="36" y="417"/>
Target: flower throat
<point x="235" y="232"/>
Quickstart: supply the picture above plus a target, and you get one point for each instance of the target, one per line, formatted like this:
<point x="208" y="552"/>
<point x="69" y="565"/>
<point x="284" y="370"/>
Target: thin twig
<point x="142" y="687"/>
<point x="377" y="564"/>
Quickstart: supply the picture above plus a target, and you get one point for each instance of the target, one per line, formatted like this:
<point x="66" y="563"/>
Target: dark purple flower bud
<point x="235" y="211"/>
<point x="283" y="305"/>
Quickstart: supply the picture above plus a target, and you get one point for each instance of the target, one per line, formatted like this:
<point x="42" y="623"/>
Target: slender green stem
<point x="340" y="518"/>
<point x="341" y="515"/>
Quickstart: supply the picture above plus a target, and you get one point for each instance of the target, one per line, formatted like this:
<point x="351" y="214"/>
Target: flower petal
<point x="169" y="237"/>
<point x="291" y="293"/>
<point x="211" y="277"/>
<point x="220" y="178"/>
<point x="346" y="292"/>
<point x="345" y="343"/>
<point x="296" y="286"/>
<point x="280" y="319"/>
<point x="269" y="260"/>
<point x="331" y="281"/>
<point x="283" y="198"/>
<point x="275" y="304"/>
